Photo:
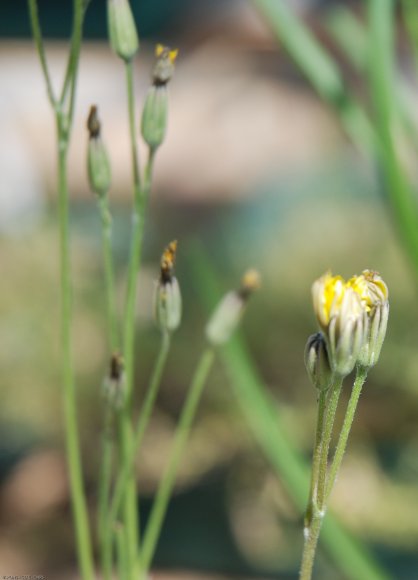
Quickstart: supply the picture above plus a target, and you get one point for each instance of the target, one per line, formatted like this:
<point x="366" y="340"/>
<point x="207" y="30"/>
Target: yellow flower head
<point x="327" y="293"/>
<point x="371" y="289"/>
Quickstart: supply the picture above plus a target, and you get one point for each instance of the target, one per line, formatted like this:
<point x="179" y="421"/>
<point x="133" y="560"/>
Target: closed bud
<point x="317" y="362"/>
<point x="114" y="383"/>
<point x="98" y="165"/>
<point x="167" y="298"/>
<point x="342" y="318"/>
<point x="374" y="295"/>
<point x="122" y="29"/>
<point x="229" y="311"/>
<point x="154" y="116"/>
<point x="155" y="111"/>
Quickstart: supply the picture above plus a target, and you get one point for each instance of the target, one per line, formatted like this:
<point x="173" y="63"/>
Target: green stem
<point x="311" y="541"/>
<point x="165" y="487"/>
<point x="125" y="427"/>
<point x="78" y="498"/>
<point x="345" y="431"/>
<point x="105" y="535"/>
<point x="316" y="509"/>
<point x="316" y="458"/>
<point x="330" y="412"/>
<point x="37" y="36"/>
<point x="136" y="174"/>
<point x="122" y="556"/>
<point x="106" y="221"/>
<point x="143" y="420"/>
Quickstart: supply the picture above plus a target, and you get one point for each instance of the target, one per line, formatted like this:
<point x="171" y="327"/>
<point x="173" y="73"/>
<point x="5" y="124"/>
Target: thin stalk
<point x="345" y="431"/>
<point x="143" y="420"/>
<point x="330" y="412"/>
<point x="381" y="73"/>
<point x="78" y="498"/>
<point x="317" y="506"/>
<point x="105" y="535"/>
<point x="316" y="457"/>
<point x="122" y="556"/>
<point x="37" y="36"/>
<point x="106" y="223"/>
<point x="136" y="174"/>
<point x="165" y="487"/>
<point x="130" y="507"/>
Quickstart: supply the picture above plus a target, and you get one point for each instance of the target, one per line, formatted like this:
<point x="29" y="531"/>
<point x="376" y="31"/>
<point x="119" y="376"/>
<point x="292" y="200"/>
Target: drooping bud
<point x="167" y="297"/>
<point x="374" y="295"/>
<point x="122" y="29"/>
<point x="155" y="111"/>
<point x="114" y="383"/>
<point x="342" y="317"/>
<point x="229" y="311"/>
<point x="98" y="165"/>
<point x="317" y="362"/>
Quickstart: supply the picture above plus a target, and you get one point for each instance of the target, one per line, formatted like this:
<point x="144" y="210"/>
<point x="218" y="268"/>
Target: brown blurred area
<point x="257" y="169"/>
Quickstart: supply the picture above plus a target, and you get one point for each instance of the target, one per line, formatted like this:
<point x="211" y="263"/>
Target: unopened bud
<point x="122" y="29"/>
<point x="164" y="65"/>
<point x="317" y="362"/>
<point x="154" y="116"/>
<point x="98" y="164"/>
<point x="341" y="316"/>
<point x="167" y="298"/>
<point x="229" y="311"/>
<point x="114" y="383"/>
<point x="374" y="295"/>
<point x="155" y="111"/>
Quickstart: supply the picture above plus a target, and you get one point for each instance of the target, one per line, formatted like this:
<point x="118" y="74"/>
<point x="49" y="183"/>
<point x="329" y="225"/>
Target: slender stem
<point x="143" y="420"/>
<point x="106" y="221"/>
<point x="165" y="487"/>
<point x="345" y="431"/>
<point x="316" y="507"/>
<point x="37" y="35"/>
<point x="122" y="556"/>
<point x="105" y="535"/>
<point x="316" y="457"/>
<point x="309" y="548"/>
<point x="125" y="430"/>
<point x="70" y="407"/>
<point x="136" y="174"/>
<point x="330" y="412"/>
<point x="73" y="60"/>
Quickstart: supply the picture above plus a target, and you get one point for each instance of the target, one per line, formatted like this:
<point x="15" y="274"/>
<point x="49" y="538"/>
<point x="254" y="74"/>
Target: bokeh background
<point x="255" y="171"/>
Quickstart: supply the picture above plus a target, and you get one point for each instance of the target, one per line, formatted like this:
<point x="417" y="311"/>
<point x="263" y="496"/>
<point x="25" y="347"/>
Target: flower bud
<point x="317" y="362"/>
<point x="374" y="295"/>
<point x="167" y="298"/>
<point x="98" y="165"/>
<point x="342" y="318"/>
<point x="114" y="383"/>
<point x="227" y="315"/>
<point x="154" y="116"/>
<point x="122" y="29"/>
<point x="155" y="111"/>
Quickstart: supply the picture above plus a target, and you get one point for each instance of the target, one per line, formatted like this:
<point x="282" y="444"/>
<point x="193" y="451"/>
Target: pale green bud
<point x="167" y="297"/>
<point x="377" y="321"/>
<point x="122" y="29"/>
<point x="317" y="362"/>
<point x="98" y="165"/>
<point x="229" y="311"/>
<point x="167" y="305"/>
<point x="154" y="116"/>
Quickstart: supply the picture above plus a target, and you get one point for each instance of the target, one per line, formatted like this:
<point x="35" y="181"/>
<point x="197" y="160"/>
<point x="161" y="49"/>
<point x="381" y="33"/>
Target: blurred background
<point x="255" y="171"/>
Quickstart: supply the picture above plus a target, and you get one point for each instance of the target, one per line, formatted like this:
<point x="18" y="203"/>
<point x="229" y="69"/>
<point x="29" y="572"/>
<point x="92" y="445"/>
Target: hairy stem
<point x="345" y="431"/>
